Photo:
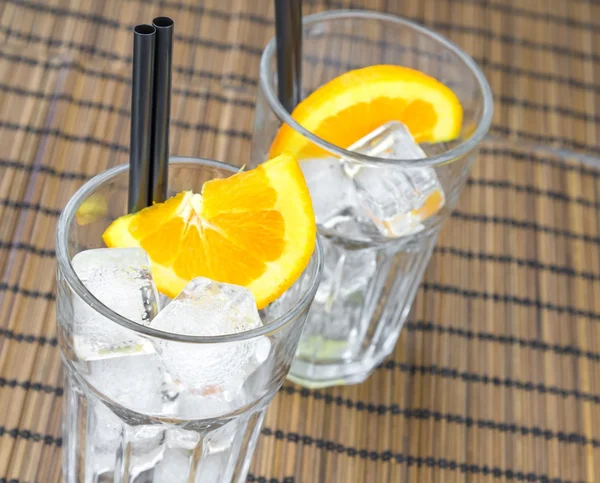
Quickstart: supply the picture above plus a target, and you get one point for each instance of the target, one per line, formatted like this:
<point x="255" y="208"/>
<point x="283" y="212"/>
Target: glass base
<point x="343" y="373"/>
<point x="361" y="305"/>
<point x="108" y="443"/>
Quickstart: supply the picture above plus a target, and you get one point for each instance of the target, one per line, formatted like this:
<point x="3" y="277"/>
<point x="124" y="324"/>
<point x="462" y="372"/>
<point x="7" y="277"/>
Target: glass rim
<point x="462" y="149"/>
<point x="66" y="268"/>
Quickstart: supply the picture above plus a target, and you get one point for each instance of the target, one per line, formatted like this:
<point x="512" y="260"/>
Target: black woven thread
<point x="121" y="111"/>
<point x="535" y="344"/>
<point x="509" y="299"/>
<point x="535" y="158"/>
<point x="487" y="34"/>
<point x="386" y="456"/>
<point x="33" y="386"/>
<point x="516" y="11"/>
<point x="65" y="175"/>
<point x="25" y="205"/>
<point x="267" y="21"/>
<point x="534" y="106"/>
<point x="554" y="195"/>
<point x="435" y="287"/>
<point x="412" y="369"/>
<point x="472" y="377"/>
<point x="251" y="82"/>
<point x="486" y="63"/>
<point x="513" y="154"/>
<point x="478" y="218"/>
<point x="523" y="224"/>
<point x="88" y="139"/>
<point x="500" y="184"/>
<point x="402" y="458"/>
<point x="428" y="414"/>
<point x="500" y="129"/>
<point x="28" y="338"/>
<point x="521" y="262"/>
<point x="409" y="413"/>
<point x="541" y="138"/>
<point x="381" y="409"/>
<point x="532" y="190"/>
<point x="420" y="326"/>
<point x="263" y="479"/>
<point x="441" y="250"/>
<point x="31" y="436"/>
<point x="35" y="294"/>
<point x="94" y="50"/>
<point x="113" y="146"/>
<point x="65" y="12"/>
<point x="26" y="247"/>
<point x="189" y="93"/>
<point x="533" y="15"/>
<point x="20" y="91"/>
<point x="63" y="97"/>
<point x="103" y="74"/>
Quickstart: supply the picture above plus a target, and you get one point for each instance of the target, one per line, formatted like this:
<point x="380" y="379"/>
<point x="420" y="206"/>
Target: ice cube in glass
<point x="209" y="308"/>
<point x="119" y="278"/>
<point x="331" y="190"/>
<point x="397" y="199"/>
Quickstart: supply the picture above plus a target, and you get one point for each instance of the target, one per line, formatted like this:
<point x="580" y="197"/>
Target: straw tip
<point x="144" y="29"/>
<point x="163" y="22"/>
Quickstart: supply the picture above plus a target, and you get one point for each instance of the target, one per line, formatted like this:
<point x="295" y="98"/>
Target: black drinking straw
<point x="159" y="159"/>
<point x="141" y="116"/>
<point x="297" y="47"/>
<point x="288" y="32"/>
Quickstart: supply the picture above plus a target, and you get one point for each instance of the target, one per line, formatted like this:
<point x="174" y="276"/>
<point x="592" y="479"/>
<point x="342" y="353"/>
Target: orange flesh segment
<point x="433" y="203"/>
<point x="254" y="229"/>
<point x="356" y="103"/>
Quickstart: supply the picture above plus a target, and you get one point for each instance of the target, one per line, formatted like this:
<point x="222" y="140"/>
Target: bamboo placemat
<point x="497" y="374"/>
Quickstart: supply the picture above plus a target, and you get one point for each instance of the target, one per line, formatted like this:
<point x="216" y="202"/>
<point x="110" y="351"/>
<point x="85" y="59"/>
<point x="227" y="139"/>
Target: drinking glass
<point x="370" y="277"/>
<point x="123" y="419"/>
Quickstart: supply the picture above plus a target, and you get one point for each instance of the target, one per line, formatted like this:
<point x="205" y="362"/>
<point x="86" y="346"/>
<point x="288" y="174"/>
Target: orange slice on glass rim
<point x="255" y="229"/>
<point x="359" y="101"/>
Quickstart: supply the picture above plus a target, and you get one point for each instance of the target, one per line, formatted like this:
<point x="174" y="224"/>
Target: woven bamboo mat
<point x="497" y="374"/>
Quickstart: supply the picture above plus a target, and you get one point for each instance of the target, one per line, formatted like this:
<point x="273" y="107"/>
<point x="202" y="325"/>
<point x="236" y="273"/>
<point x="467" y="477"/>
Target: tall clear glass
<point x="123" y="419"/>
<point x="370" y="279"/>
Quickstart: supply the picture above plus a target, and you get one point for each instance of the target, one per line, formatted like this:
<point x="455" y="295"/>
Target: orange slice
<point x="92" y="209"/>
<point x="255" y="229"/>
<point x="356" y="103"/>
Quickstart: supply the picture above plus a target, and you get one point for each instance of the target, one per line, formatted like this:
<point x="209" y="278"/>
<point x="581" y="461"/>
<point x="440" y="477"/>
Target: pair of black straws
<point x="150" y="113"/>
<point x="151" y="96"/>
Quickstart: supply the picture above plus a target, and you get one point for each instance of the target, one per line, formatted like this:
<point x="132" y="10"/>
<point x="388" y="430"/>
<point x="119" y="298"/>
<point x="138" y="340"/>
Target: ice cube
<point x="103" y="436"/>
<point x="346" y="273"/>
<point x="332" y="191"/>
<point x="180" y="462"/>
<point x="163" y="301"/>
<point x="195" y="407"/>
<point x="120" y="278"/>
<point x="397" y="199"/>
<point x="174" y="466"/>
<point x="134" y="382"/>
<point x="337" y="313"/>
<point x="209" y="308"/>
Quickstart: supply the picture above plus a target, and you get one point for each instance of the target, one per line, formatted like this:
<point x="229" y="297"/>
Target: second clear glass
<point x="370" y="279"/>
